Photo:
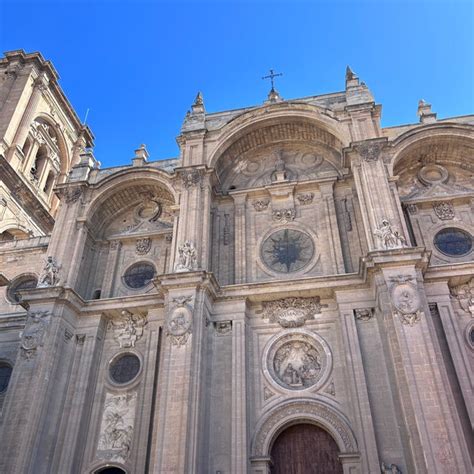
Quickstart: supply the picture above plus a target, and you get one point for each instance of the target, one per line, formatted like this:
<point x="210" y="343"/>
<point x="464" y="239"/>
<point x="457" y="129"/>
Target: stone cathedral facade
<point x="294" y="293"/>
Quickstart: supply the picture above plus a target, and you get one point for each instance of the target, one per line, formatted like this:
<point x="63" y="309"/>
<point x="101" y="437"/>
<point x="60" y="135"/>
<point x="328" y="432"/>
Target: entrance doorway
<point x="305" y="449"/>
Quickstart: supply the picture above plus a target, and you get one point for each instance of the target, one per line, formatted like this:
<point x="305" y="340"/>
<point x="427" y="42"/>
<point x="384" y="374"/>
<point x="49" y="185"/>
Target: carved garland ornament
<point x="364" y="314"/>
<point x="283" y="215"/>
<point x="179" y="323"/>
<point x="406" y="299"/>
<point x="303" y="409"/>
<point x="444" y="210"/>
<point x="32" y="337"/>
<point x="261" y="204"/>
<point x="305" y="199"/>
<point x="292" y="312"/>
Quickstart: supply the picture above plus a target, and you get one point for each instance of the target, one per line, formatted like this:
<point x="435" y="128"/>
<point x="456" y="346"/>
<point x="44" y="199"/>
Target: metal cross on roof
<point x="271" y="76"/>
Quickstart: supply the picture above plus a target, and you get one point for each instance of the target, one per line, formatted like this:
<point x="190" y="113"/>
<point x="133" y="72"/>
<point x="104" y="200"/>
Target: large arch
<point x="302" y="410"/>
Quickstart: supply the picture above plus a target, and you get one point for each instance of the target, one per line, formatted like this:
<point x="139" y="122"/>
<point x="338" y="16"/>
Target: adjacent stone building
<point x="293" y="293"/>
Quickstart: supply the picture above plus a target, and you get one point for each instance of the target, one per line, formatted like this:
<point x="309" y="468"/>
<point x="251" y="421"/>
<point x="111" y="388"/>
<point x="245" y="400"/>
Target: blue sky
<point x="138" y="65"/>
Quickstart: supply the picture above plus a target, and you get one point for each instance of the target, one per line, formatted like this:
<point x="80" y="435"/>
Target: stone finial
<point x="198" y="105"/>
<point x="425" y="113"/>
<point x="141" y="156"/>
<point x="351" y="77"/>
<point x="274" y="96"/>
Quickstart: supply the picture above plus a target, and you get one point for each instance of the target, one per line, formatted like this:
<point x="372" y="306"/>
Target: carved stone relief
<point x="223" y="327"/>
<point x="364" y="314"/>
<point x="370" y="151"/>
<point x="283" y="215"/>
<point x="71" y="195"/>
<point x="392" y="468"/>
<point x="179" y="323"/>
<point x="444" y="210"/>
<point x="261" y="204"/>
<point x="406" y="300"/>
<point x="191" y="178"/>
<point x="32" y="337"/>
<point x="267" y="394"/>
<point x="128" y="328"/>
<point x="464" y="294"/>
<point x="143" y="246"/>
<point x="305" y="199"/>
<point x="389" y="238"/>
<point x="50" y="274"/>
<point x="292" y="312"/>
<point x="330" y="389"/>
<point x="298" y="361"/>
<point x="116" y="431"/>
<point x="187" y="257"/>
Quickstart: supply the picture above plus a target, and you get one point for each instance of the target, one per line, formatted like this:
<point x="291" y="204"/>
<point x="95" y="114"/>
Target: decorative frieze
<point x="127" y="328"/>
<point x="283" y="215"/>
<point x="444" y="210"/>
<point x="389" y="238"/>
<point x="464" y="294"/>
<point x="116" y="430"/>
<point x="179" y="322"/>
<point x="187" y="257"/>
<point x="143" y="246"/>
<point x="364" y="314"/>
<point x="261" y="204"/>
<point x="50" y="274"/>
<point x="292" y="312"/>
<point x="305" y="198"/>
<point x="406" y="299"/>
<point x="32" y="337"/>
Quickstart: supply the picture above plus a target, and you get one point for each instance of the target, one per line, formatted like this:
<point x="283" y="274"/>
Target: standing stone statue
<point x="187" y="257"/>
<point x="389" y="238"/>
<point x="50" y="274"/>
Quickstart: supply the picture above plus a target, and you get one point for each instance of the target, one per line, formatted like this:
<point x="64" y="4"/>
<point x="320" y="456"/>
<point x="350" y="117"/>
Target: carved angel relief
<point x="50" y="274"/>
<point x="32" y="336"/>
<point x="128" y="328"/>
<point x="116" y="431"/>
<point x="405" y="299"/>
<point x="388" y="237"/>
<point x="179" y="322"/>
<point x="292" y="312"/>
<point x="464" y="294"/>
<point x="187" y="257"/>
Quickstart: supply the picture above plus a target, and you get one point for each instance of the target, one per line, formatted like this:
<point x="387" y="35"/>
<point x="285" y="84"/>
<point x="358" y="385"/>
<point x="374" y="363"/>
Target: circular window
<point x="287" y="250"/>
<point x="139" y="275"/>
<point x="20" y="283"/>
<point x="124" y="368"/>
<point x="5" y="374"/>
<point x="453" y="242"/>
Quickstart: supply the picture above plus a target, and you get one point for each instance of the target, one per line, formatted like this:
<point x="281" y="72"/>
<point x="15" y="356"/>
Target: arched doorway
<point x="305" y="449"/>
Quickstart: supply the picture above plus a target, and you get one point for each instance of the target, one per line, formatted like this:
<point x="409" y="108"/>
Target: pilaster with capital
<point x="425" y="402"/>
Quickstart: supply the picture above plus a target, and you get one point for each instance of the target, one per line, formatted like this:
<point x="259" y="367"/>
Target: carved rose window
<point x="124" y="368"/>
<point x="287" y="250"/>
<point x="139" y="275"/>
<point x="453" y="242"/>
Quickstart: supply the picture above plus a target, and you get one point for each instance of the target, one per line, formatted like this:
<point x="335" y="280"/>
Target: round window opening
<point x="22" y="283"/>
<point x="287" y="250"/>
<point x="5" y="375"/>
<point x="139" y="275"/>
<point x="453" y="242"/>
<point x="124" y="368"/>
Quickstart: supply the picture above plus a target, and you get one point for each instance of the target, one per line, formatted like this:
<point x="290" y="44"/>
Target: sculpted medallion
<point x="406" y="300"/>
<point x="179" y="324"/>
<point x="298" y="361"/>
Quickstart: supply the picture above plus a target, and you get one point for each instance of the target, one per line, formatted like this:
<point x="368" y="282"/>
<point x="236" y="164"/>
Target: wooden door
<point x="305" y="449"/>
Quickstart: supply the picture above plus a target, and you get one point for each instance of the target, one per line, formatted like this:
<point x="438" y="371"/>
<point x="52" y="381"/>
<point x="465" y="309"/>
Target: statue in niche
<point x="187" y="257"/>
<point x="50" y="274"/>
<point x="388" y="237"/>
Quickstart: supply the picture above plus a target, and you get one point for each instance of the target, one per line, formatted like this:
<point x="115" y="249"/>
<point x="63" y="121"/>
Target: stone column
<point x="376" y="197"/>
<point x="435" y="433"/>
<point x="357" y="384"/>
<point x="111" y="269"/>
<point x="180" y="418"/>
<point x="240" y="234"/>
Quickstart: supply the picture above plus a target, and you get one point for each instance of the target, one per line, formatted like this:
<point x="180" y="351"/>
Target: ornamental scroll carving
<point x="116" y="431"/>
<point x="283" y="215"/>
<point x="464" y="294"/>
<point x="303" y="409"/>
<point x="292" y="312"/>
<point x="406" y="299"/>
<point x="32" y="337"/>
<point x="128" y="328"/>
<point x="444" y="210"/>
<point x="179" y="323"/>
<point x="305" y="199"/>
